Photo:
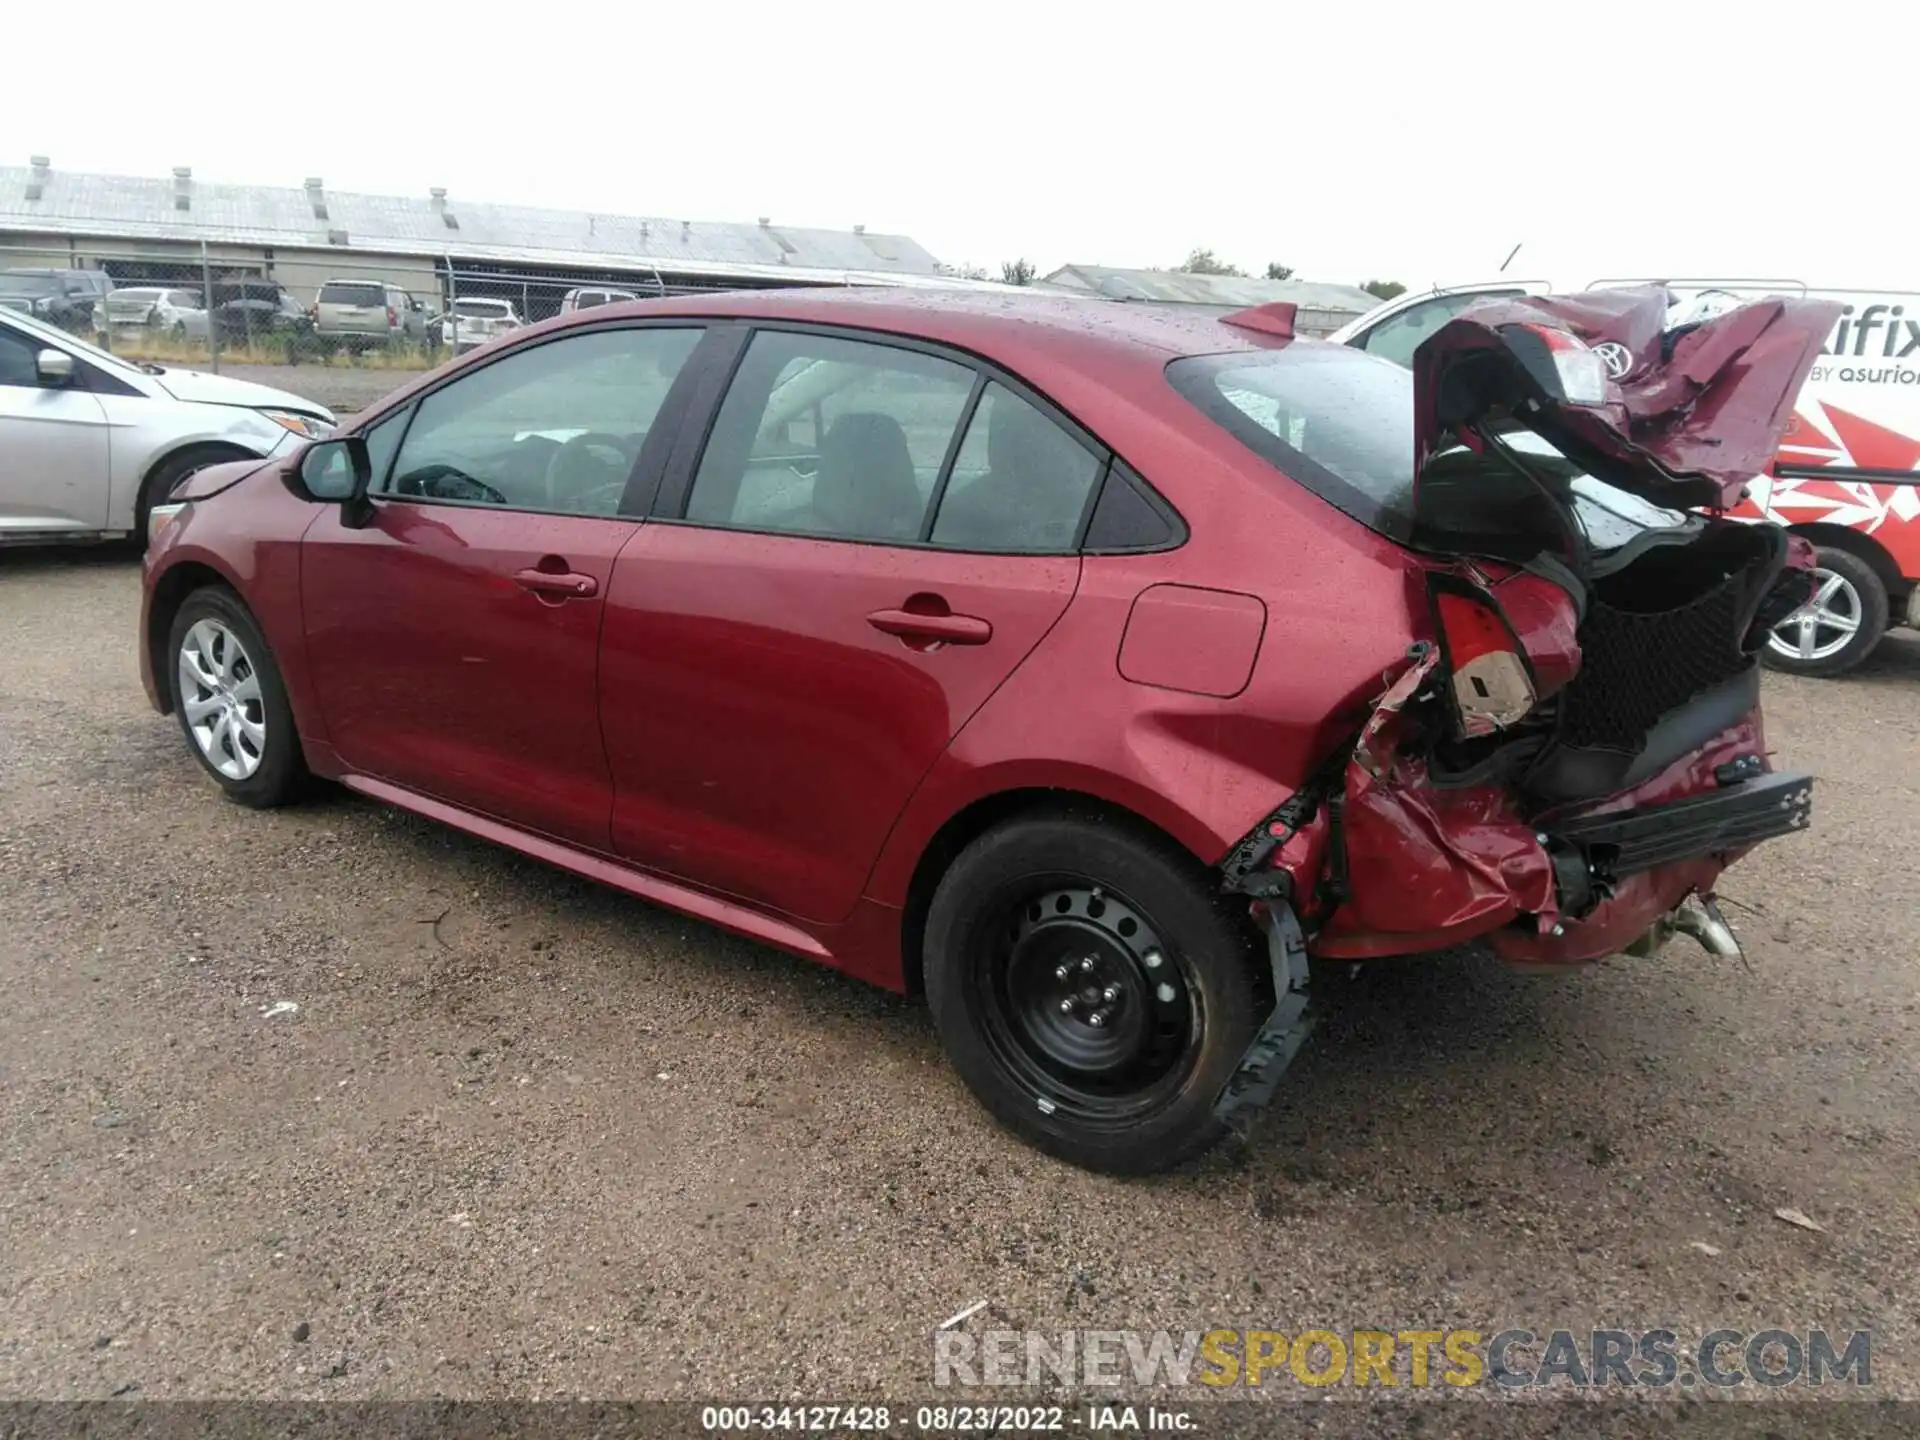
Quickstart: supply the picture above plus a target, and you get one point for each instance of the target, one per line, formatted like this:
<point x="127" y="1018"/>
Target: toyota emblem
<point x="1615" y="356"/>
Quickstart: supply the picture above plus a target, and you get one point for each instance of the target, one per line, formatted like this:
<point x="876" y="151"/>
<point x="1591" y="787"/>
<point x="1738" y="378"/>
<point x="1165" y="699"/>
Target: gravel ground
<point x="525" y="1137"/>
<point x="342" y="388"/>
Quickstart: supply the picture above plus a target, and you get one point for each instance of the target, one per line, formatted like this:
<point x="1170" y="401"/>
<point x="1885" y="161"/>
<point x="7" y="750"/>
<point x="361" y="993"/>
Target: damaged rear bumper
<point x="1625" y="842"/>
<point x="1626" y="874"/>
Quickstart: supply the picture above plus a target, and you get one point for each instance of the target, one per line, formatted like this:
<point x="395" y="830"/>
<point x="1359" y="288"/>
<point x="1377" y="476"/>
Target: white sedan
<point x="89" y="443"/>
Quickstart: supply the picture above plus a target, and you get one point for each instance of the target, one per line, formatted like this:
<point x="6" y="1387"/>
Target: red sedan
<point x="1084" y="667"/>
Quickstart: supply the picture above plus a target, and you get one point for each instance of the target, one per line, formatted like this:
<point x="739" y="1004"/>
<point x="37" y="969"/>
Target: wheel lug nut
<point x="1152" y="958"/>
<point x="1066" y="1007"/>
<point x="1110" y="994"/>
<point x="1099" y="1017"/>
<point x="1062" y="973"/>
<point x="1086" y="965"/>
<point x="1166" y="994"/>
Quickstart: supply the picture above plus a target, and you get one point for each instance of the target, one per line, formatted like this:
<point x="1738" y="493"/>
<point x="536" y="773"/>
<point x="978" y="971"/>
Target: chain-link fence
<point x="207" y="306"/>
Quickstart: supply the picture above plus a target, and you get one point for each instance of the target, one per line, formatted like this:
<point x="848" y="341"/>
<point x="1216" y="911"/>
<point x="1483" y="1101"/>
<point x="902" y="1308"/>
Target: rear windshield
<point x="1341" y="423"/>
<point x="352" y="294"/>
<point x="29" y="285"/>
<point x="480" y="309"/>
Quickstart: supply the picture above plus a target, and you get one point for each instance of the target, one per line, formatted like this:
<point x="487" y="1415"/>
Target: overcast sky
<point x="1352" y="141"/>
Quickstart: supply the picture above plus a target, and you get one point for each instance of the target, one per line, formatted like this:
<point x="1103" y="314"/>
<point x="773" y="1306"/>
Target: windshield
<point x="29" y="285"/>
<point x="1341" y="423"/>
<point x="480" y="309"/>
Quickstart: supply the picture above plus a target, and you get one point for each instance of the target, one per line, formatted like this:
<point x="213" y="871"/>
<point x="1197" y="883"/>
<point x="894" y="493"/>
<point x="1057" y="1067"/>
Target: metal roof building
<point x="1323" y="307"/>
<point x="42" y="207"/>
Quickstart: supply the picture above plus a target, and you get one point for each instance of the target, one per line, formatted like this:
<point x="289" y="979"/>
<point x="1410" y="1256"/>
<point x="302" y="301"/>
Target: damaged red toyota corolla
<point x="1085" y="667"/>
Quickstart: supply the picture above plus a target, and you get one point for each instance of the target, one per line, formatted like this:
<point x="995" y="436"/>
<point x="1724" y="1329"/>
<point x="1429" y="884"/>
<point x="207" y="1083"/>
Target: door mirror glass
<point x="54" y="367"/>
<point x="336" y="469"/>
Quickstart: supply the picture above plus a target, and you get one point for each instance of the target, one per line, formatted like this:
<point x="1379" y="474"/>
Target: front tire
<point x="1839" y="627"/>
<point x="1091" y="990"/>
<point x="231" y="701"/>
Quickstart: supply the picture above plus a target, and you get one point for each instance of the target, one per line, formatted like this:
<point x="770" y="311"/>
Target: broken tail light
<point x="1488" y="675"/>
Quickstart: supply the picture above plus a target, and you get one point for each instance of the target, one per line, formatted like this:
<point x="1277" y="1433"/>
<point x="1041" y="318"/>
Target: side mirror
<point x="54" y="367"/>
<point x="339" y="470"/>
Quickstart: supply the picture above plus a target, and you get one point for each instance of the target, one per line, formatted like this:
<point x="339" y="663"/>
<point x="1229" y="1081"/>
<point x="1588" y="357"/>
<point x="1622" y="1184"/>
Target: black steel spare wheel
<point x="1087" y="1005"/>
<point x="1093" y="988"/>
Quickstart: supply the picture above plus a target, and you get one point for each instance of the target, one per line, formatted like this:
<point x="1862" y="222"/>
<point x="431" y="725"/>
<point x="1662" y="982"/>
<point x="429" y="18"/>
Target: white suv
<point x="89" y="443"/>
<point x="471" y="322"/>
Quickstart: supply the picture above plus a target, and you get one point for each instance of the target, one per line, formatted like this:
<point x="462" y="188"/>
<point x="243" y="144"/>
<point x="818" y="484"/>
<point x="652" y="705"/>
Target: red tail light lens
<point x="1491" y="683"/>
<point x="392" y="318"/>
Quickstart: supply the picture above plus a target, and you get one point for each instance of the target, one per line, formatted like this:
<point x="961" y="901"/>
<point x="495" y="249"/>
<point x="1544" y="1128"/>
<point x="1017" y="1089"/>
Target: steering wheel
<point x="446" y="482"/>
<point x="589" y="473"/>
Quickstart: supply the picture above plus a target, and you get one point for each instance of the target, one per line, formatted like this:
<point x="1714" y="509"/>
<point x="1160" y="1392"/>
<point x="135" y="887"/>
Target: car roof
<point x="1013" y="329"/>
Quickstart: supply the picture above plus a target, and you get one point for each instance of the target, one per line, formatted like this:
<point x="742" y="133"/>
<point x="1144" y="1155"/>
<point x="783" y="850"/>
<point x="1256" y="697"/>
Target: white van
<point x="1847" y="475"/>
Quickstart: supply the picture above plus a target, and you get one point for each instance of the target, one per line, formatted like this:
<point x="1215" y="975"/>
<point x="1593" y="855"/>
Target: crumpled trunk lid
<point x="1682" y="416"/>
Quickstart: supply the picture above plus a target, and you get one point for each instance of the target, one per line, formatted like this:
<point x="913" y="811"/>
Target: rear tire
<point x="1048" y="921"/>
<point x="231" y="702"/>
<point x="1853" y="596"/>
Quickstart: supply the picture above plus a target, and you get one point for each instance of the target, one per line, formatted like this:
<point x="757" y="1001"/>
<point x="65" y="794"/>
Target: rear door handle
<point x="952" y="629"/>
<point x="564" y="584"/>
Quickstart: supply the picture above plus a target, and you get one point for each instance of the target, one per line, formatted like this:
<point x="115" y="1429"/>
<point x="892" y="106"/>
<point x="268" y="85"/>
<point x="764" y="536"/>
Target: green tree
<point x="1277" y="271"/>
<point x="1017" y="272"/>
<point x="1384" y="289"/>
<point x="1204" y="262"/>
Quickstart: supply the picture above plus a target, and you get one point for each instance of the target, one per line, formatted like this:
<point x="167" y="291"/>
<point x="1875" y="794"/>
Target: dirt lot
<point x="341" y="387"/>
<point x="526" y="1137"/>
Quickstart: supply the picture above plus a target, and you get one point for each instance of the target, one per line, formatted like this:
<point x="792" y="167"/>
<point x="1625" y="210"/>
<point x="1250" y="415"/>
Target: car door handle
<point x="912" y="625"/>
<point x="563" y="583"/>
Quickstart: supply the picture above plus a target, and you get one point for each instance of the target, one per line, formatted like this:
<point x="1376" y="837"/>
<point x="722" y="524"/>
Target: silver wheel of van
<point x="1839" y="625"/>
<point x="1821" y="628"/>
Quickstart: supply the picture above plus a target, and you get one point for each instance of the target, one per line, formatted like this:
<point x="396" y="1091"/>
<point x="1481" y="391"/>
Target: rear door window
<point x="1020" y="482"/>
<point x="830" y="437"/>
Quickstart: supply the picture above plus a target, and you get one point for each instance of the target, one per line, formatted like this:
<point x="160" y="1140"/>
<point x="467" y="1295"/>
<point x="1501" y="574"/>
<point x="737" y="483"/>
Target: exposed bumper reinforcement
<point x="1627" y="841"/>
<point x="1277" y="1041"/>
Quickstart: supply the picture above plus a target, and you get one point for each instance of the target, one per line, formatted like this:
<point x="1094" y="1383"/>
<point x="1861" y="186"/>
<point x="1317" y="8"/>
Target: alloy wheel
<point x="220" y="696"/>
<point x="1824" y="625"/>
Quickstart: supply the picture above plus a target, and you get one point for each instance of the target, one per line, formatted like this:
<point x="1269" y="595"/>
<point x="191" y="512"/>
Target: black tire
<point x="169" y="473"/>
<point x="281" y="771"/>
<point x="1049" y="893"/>
<point x="1871" y="598"/>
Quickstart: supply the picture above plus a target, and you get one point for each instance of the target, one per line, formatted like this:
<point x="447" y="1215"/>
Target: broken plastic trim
<point x="1274" y="1045"/>
<point x="1240" y="871"/>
